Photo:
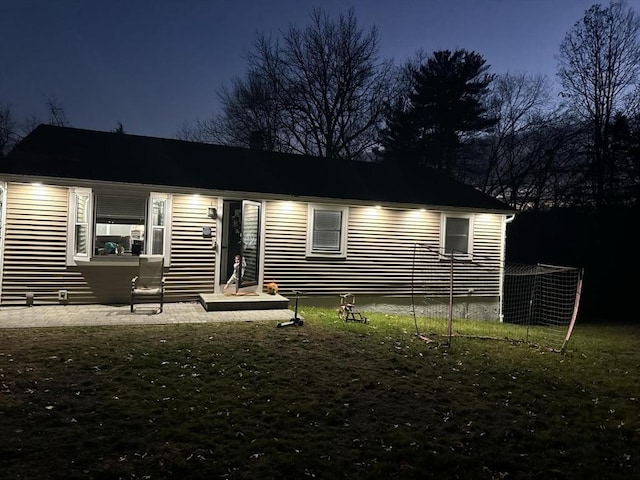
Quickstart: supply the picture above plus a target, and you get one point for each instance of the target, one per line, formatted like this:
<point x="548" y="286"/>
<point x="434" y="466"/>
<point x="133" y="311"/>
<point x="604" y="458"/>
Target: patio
<point x="98" y="315"/>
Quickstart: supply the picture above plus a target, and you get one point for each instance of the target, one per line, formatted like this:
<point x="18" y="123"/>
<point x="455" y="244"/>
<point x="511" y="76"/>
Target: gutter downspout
<point x="503" y="253"/>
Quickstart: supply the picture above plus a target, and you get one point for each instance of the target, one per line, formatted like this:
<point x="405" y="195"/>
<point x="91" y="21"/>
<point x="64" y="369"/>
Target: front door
<point x="241" y="235"/>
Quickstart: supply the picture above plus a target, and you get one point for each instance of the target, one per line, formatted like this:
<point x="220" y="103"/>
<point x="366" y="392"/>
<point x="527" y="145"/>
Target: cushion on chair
<point x="147" y="291"/>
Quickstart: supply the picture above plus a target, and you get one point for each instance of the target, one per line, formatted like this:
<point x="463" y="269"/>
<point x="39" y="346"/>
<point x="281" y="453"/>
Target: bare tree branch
<point x="317" y="90"/>
<point x="599" y="66"/>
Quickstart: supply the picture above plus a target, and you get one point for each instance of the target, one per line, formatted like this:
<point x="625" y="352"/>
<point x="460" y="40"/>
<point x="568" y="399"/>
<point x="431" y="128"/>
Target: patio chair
<point x="148" y="285"/>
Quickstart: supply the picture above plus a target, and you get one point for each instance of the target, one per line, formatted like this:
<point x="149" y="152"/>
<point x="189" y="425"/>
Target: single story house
<point x="79" y="205"/>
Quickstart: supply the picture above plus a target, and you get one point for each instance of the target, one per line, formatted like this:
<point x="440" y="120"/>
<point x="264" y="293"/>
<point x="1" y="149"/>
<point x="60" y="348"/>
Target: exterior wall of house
<point x="35" y="245"/>
<point x="379" y="250"/>
<point x="384" y="257"/>
<point x="192" y="256"/>
<point x="380" y="262"/>
<point x="35" y="252"/>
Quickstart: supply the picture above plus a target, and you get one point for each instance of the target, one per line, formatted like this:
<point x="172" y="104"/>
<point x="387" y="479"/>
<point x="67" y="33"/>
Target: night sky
<point x="155" y="64"/>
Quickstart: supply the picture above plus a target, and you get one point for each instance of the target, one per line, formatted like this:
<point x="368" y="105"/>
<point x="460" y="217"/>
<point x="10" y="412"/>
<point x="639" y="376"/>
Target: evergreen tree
<point x="445" y="104"/>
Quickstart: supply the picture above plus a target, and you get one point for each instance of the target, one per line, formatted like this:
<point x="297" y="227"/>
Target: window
<point x="106" y="225"/>
<point x="80" y="226"/>
<point x="120" y="222"/>
<point x="83" y="207"/>
<point x="327" y="231"/>
<point x="456" y="235"/>
<point x="158" y="215"/>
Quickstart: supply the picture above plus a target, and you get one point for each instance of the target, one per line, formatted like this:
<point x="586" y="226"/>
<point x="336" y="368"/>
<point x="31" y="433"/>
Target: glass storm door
<point x="251" y="242"/>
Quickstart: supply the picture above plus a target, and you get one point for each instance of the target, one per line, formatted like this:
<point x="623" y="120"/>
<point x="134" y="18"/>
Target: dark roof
<point x="63" y="152"/>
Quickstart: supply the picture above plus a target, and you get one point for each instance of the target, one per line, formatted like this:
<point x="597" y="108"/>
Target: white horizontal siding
<point x="484" y="275"/>
<point x="381" y="253"/>
<point x="35" y="252"/>
<point x="192" y="256"/>
<point x="35" y="244"/>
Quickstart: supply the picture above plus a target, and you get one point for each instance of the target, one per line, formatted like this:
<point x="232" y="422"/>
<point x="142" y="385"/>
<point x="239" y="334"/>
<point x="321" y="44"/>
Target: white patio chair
<point x="148" y="285"/>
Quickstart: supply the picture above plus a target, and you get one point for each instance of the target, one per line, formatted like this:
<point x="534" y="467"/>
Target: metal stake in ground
<point x="297" y="321"/>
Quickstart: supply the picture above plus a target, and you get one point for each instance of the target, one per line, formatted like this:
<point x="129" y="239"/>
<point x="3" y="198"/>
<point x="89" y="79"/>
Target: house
<point x="78" y="206"/>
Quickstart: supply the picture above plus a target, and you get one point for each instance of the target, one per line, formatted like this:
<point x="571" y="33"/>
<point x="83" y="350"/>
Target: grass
<point x="325" y="400"/>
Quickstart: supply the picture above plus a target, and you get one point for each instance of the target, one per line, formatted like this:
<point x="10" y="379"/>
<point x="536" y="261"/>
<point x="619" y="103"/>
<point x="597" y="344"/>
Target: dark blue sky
<point x="155" y="64"/>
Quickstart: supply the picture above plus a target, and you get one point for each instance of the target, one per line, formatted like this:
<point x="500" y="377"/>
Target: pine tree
<point x="445" y="103"/>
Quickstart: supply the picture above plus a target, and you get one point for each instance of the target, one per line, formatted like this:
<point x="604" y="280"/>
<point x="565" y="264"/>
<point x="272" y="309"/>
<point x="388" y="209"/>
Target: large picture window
<point x="457" y="235"/>
<point x="120" y="224"/>
<point x="105" y="226"/>
<point x="327" y="231"/>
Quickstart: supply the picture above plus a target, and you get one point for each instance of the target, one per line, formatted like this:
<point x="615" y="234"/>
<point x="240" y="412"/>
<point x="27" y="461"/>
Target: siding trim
<point x="3" y="222"/>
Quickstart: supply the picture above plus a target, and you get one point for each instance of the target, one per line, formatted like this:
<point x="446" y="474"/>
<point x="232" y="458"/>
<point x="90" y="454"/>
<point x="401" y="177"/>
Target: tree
<point x="524" y="161"/>
<point x="625" y="152"/>
<point x="397" y="139"/>
<point x="119" y="128"/>
<point x="57" y="114"/>
<point x="599" y="65"/>
<point x="8" y="130"/>
<point x="250" y="105"/>
<point x="316" y="90"/>
<point x="12" y="130"/>
<point x="446" y="103"/>
<point x="202" y="131"/>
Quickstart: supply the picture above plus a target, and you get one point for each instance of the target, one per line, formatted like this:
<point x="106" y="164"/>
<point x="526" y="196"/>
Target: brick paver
<point x="94" y="315"/>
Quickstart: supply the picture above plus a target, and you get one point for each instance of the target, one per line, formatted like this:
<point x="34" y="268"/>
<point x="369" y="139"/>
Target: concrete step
<point x="215" y="302"/>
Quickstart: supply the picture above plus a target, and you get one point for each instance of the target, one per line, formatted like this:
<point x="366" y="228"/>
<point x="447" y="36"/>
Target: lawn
<point x="325" y="400"/>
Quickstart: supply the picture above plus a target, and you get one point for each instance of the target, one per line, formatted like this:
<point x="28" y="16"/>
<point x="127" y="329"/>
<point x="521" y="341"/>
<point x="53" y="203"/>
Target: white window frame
<point x="79" y="259"/>
<point x="74" y="258"/>
<point x="443" y="236"/>
<point x="341" y="252"/>
<point x="166" y="236"/>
